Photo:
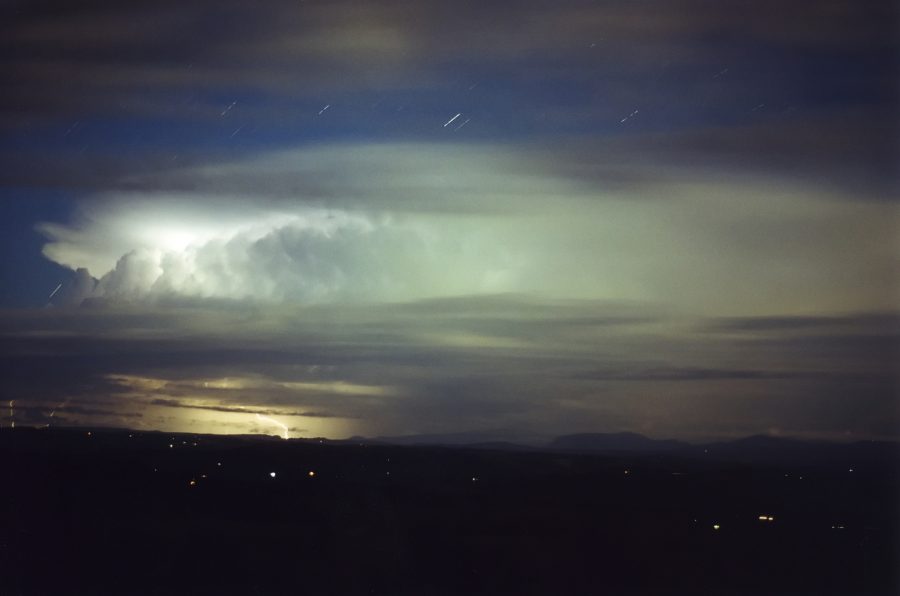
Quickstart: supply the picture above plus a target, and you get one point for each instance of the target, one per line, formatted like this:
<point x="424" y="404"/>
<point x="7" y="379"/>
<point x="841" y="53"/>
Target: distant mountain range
<point x="498" y="438"/>
<point x="614" y="442"/>
<point x="755" y="448"/>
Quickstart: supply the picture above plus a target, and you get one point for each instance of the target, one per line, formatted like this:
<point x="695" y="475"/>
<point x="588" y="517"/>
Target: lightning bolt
<point x="275" y="422"/>
<point x="61" y="405"/>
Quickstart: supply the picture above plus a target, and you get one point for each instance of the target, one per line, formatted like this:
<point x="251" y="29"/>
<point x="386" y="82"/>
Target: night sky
<point x="508" y="219"/>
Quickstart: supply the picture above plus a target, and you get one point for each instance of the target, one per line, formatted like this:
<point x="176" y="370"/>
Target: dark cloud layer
<point x="171" y="403"/>
<point x="61" y="57"/>
<point x="423" y="368"/>
<point x="804" y="88"/>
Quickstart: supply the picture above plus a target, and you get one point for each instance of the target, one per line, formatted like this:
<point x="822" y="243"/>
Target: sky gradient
<point x="514" y="219"/>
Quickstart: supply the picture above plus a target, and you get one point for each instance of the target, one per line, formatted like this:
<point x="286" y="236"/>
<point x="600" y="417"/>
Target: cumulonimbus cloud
<point x="347" y="222"/>
<point x="315" y="258"/>
<point x="405" y="222"/>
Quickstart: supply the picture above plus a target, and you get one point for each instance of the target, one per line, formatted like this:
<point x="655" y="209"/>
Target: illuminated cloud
<point x="406" y="222"/>
<point x="317" y="257"/>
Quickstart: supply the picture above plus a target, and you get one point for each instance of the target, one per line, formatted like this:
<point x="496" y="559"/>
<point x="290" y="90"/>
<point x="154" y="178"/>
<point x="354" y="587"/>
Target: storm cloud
<point x="675" y="218"/>
<point x="406" y="222"/>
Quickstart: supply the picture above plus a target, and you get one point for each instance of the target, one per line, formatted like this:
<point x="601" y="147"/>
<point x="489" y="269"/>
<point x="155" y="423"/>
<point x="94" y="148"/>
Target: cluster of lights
<point x="273" y="474"/>
<point x="311" y="474"/>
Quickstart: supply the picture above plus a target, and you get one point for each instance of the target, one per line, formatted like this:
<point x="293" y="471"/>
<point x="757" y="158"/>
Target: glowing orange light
<point x="312" y="473"/>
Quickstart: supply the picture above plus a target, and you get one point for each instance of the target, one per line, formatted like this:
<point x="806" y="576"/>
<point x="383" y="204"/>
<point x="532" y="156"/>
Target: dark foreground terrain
<point x="119" y="512"/>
